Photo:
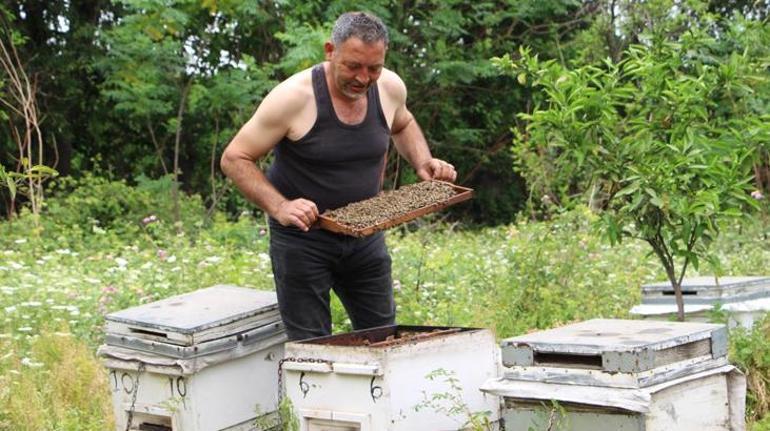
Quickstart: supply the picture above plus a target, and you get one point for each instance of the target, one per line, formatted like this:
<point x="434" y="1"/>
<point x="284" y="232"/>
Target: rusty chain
<point x="139" y="371"/>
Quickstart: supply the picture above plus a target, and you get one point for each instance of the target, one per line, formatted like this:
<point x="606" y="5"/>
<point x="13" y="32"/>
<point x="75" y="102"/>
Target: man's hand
<point x="298" y="212"/>
<point x="435" y="169"/>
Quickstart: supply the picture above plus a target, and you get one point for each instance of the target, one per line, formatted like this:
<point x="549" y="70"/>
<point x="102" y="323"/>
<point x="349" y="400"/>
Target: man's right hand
<point x="301" y="213"/>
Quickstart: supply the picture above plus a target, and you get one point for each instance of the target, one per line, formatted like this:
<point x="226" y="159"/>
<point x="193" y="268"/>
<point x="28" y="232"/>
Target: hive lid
<point x="708" y="290"/>
<point x="196" y="317"/>
<point x="267" y="335"/>
<point x="624" y="352"/>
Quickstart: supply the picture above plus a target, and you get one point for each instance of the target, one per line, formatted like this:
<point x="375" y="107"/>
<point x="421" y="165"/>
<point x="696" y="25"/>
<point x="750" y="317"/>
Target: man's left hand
<point x="436" y="169"/>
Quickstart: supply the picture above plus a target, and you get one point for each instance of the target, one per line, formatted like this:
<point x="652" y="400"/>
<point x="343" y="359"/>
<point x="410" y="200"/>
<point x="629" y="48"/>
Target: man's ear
<point x="328" y="50"/>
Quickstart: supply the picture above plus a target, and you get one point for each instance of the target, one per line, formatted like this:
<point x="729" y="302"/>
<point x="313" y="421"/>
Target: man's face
<point x="355" y="65"/>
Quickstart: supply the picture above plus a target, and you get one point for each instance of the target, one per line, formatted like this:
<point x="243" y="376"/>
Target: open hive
<point x="393" y="207"/>
<point x="380" y="379"/>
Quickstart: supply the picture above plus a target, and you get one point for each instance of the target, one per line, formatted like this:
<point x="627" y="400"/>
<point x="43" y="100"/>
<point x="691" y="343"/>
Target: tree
<point x="660" y="143"/>
<point x="174" y="70"/>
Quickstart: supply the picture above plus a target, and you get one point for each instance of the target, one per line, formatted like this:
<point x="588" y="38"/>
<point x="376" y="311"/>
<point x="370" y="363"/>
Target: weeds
<point x="451" y="403"/>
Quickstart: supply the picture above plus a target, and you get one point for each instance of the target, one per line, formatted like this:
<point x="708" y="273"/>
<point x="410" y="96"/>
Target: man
<point x="330" y="127"/>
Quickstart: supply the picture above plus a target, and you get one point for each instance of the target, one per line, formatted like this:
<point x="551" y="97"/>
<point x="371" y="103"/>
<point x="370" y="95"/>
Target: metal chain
<point x="139" y="371"/>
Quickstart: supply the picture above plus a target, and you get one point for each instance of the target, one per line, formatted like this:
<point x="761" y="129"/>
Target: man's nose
<point x="363" y="78"/>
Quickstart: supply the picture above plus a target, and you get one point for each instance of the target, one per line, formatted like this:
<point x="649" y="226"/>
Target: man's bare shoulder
<point x="290" y="96"/>
<point x="392" y="85"/>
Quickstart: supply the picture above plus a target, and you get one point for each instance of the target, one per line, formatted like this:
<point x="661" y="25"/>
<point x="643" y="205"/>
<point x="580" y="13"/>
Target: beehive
<point x="386" y="379"/>
<point x="743" y="299"/>
<point x="203" y="361"/>
<point x="603" y="375"/>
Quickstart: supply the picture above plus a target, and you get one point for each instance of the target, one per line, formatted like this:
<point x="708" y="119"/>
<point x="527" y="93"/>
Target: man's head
<point x="356" y="52"/>
<point x="362" y="25"/>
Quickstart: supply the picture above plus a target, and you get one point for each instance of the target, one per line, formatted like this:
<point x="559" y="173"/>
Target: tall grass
<point x="63" y="388"/>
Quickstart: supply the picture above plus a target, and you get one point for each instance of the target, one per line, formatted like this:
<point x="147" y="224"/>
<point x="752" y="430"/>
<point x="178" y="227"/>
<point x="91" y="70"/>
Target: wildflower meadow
<point x="60" y="274"/>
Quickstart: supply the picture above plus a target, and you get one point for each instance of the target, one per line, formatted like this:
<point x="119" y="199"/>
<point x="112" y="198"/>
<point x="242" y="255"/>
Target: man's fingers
<point x="443" y="171"/>
<point x="301" y="213"/>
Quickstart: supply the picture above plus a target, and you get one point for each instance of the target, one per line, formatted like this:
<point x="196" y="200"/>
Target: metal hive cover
<point x="707" y="290"/>
<point x="205" y="314"/>
<point x="612" y="345"/>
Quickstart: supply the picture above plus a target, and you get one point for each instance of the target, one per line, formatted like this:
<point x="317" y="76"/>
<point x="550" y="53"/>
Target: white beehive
<point x="743" y="299"/>
<point x="609" y="375"/>
<point x="386" y="379"/>
<point x="203" y="361"/>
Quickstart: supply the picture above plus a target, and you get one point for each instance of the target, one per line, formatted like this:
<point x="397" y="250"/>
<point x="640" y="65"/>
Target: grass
<point x="59" y="277"/>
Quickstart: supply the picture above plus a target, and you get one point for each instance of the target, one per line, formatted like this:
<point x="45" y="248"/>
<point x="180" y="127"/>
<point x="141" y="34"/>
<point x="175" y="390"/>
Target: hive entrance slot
<point x="154" y="427"/>
<point x="148" y="332"/>
<point x="569" y="360"/>
<point x="684" y="292"/>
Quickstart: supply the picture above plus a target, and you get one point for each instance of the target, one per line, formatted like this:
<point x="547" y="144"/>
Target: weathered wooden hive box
<point x="392" y="378"/>
<point x="743" y="299"/>
<point x="611" y="375"/>
<point x="202" y="361"/>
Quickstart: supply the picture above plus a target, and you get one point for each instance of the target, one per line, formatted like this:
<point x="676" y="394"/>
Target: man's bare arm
<point x="255" y="139"/>
<point x="411" y="144"/>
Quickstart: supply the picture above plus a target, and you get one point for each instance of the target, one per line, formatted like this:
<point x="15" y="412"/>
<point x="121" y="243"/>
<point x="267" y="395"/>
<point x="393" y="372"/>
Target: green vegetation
<point x="451" y="403"/>
<point x="85" y="260"/>
<point x="661" y="142"/>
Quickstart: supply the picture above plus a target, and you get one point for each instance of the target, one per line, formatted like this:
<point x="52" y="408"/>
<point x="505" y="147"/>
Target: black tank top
<point x="335" y="163"/>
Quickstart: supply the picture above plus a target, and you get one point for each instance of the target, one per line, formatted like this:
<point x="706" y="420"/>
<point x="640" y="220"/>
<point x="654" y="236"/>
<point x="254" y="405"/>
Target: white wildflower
<point x="28" y="362"/>
<point x="121" y="262"/>
<point x="10" y="309"/>
<point x="396" y="284"/>
<point x="64" y="251"/>
<point x="25" y="329"/>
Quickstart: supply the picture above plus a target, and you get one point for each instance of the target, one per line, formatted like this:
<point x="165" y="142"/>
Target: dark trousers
<point x="307" y="265"/>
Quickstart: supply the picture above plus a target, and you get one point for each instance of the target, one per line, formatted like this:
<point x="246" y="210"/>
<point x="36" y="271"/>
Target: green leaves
<point x="658" y="142"/>
<point x="17" y="181"/>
